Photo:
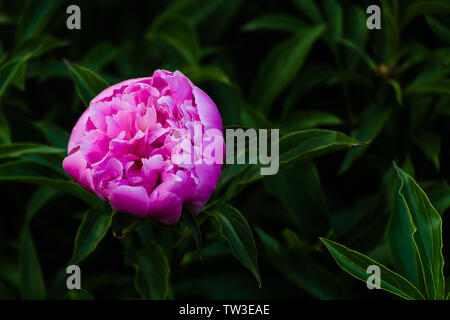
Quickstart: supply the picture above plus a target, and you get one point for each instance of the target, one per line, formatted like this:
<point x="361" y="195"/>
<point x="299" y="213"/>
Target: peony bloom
<point x="133" y="144"/>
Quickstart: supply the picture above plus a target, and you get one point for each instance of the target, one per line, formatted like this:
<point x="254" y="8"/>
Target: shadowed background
<point x="292" y="65"/>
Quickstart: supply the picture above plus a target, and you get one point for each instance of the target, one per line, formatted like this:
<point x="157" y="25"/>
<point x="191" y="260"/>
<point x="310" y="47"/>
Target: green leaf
<point x="309" y="9"/>
<point x="300" y="147"/>
<point x="152" y="271"/>
<point x="37" y="46"/>
<point x="427" y="233"/>
<point x="418" y="111"/>
<point x="303" y="271"/>
<point x="215" y="249"/>
<point x="424" y="7"/>
<point x="5" y="135"/>
<point x="359" y="51"/>
<point x="253" y="117"/>
<point x="53" y="134"/>
<point x="93" y="228"/>
<point x="358" y="36"/>
<point x="430" y="143"/>
<point x="397" y="89"/>
<point x="194" y="10"/>
<point x="310" y="78"/>
<point x="228" y="101"/>
<point x="429" y="76"/>
<point x="281" y="65"/>
<point x="87" y="82"/>
<point x="235" y="230"/>
<point x="5" y="293"/>
<point x="199" y="74"/>
<point x="440" y="197"/>
<point x="399" y="237"/>
<point x="373" y="122"/>
<point x="100" y="55"/>
<point x="191" y="222"/>
<point x="294" y="148"/>
<point x="439" y="27"/>
<point x="180" y="34"/>
<point x="275" y="21"/>
<point x="45" y="69"/>
<point x="356" y="264"/>
<point x="334" y="16"/>
<point x="306" y="119"/>
<point x="14" y="71"/>
<point x="408" y="166"/>
<point x="432" y="86"/>
<point x="31" y="280"/>
<point x="19" y="149"/>
<point x="299" y="190"/>
<point x="31" y="172"/>
<point x="35" y="17"/>
<point x="6" y="19"/>
<point x="40" y="198"/>
<point x="123" y="222"/>
<point x="221" y="16"/>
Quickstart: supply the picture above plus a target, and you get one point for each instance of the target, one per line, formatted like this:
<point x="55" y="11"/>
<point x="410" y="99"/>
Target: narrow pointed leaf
<point x="10" y="71"/>
<point x="281" y="66"/>
<point x="31" y="280"/>
<point x="5" y="134"/>
<point x="87" y="82"/>
<point x="309" y="9"/>
<point x="191" y="222"/>
<point x="424" y="7"/>
<point x="303" y="146"/>
<point x="399" y="237"/>
<point x="152" y="270"/>
<point x="430" y="143"/>
<point x="427" y="234"/>
<point x="19" y="149"/>
<point x="180" y="34"/>
<point x="35" y="173"/>
<point x="441" y="29"/>
<point x="375" y="119"/>
<point x="236" y="231"/>
<point x="311" y="119"/>
<point x="300" y="192"/>
<point x="356" y="264"/>
<point x="36" y="15"/>
<point x="280" y="22"/>
<point x="334" y="15"/>
<point x="93" y="228"/>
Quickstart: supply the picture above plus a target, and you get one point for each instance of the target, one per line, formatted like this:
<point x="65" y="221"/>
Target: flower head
<point x="126" y="147"/>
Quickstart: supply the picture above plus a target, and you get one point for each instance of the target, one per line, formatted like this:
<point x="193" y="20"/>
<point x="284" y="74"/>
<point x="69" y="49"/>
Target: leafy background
<point x="364" y="173"/>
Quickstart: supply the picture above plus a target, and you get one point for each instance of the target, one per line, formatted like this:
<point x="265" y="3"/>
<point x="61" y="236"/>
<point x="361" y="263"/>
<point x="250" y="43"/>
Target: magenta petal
<point x="78" y="131"/>
<point x="180" y="86"/>
<point x="165" y="207"/>
<point x="76" y="166"/>
<point x="180" y="184"/>
<point x="208" y="175"/>
<point x="109" y="92"/>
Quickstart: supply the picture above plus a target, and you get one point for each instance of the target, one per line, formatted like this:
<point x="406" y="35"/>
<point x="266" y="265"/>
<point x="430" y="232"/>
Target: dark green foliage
<point x="364" y="160"/>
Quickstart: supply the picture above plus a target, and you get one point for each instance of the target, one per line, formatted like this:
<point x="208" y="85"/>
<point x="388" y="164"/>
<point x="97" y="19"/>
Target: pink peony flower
<point x="126" y="147"/>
